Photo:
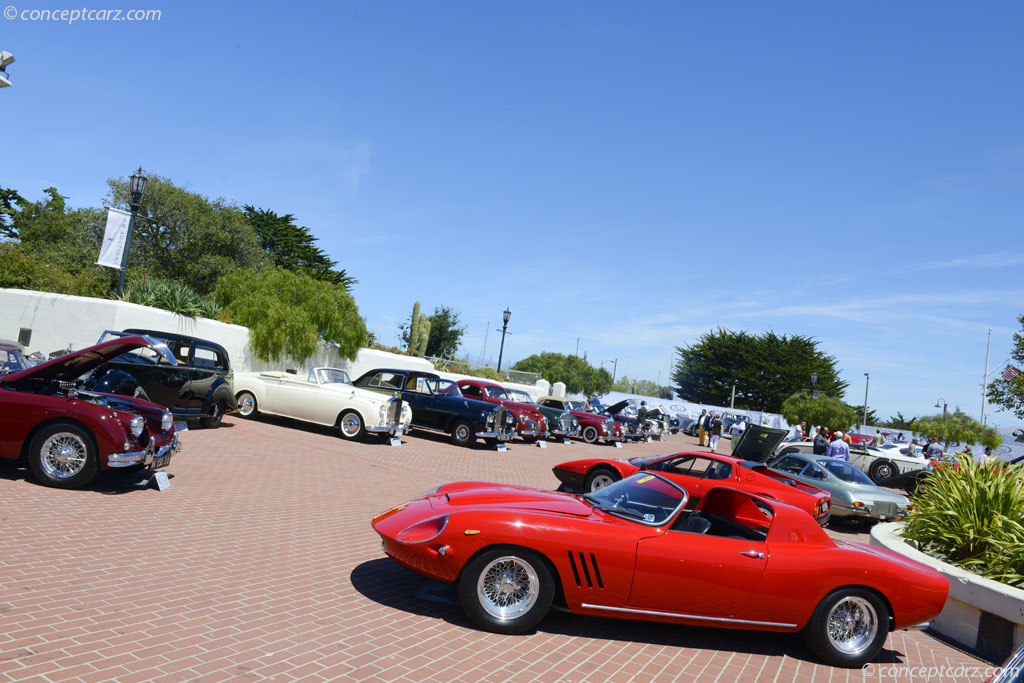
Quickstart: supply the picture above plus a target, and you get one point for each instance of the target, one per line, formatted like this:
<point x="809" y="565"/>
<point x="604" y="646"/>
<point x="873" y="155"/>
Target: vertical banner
<point x="114" y="238"/>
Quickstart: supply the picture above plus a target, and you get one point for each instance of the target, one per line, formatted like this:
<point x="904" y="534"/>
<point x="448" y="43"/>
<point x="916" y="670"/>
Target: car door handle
<point x="753" y="553"/>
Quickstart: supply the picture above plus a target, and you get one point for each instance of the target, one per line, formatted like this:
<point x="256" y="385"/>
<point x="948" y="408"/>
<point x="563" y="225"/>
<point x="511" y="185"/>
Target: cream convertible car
<point x="326" y="397"/>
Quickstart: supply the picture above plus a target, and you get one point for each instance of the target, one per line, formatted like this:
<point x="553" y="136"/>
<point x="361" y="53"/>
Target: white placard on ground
<point x="542" y="444"/>
<point x="161" y="480"/>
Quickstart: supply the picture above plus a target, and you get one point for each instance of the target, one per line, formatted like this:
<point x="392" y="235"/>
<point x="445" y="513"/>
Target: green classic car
<point x="561" y="423"/>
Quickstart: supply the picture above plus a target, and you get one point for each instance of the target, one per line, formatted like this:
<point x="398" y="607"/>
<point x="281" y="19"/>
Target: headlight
<point x="490" y="418"/>
<point x="531" y="425"/>
<point x="167" y="421"/>
<point x="137" y="425"/>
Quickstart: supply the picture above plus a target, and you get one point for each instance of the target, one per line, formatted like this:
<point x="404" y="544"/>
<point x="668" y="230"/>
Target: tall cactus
<point x="419" y="331"/>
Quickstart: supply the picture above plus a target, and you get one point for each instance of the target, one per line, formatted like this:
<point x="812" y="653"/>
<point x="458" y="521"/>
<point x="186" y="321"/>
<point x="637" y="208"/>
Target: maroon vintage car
<point x="530" y="423"/>
<point x="593" y="427"/>
<point x="68" y="435"/>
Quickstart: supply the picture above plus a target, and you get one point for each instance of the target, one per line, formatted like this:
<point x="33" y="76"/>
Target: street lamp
<point x="814" y="382"/>
<point x="944" y="407"/>
<point x="504" y="330"/>
<point x="867" y="379"/>
<point x="136" y="186"/>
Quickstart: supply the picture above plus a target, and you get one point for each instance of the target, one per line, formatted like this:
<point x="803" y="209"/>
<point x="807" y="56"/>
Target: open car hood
<point x="616" y="408"/>
<point x="75" y="364"/>
<point x="757" y="443"/>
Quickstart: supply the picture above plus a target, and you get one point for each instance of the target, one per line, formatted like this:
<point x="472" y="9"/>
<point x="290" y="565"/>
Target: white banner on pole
<point x="114" y="238"/>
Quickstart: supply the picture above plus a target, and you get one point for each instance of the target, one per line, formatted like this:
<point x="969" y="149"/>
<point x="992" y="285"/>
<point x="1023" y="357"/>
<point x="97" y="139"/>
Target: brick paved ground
<point x="259" y="563"/>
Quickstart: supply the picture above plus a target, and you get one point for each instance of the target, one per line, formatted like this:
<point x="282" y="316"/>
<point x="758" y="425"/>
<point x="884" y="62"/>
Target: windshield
<point x="11" y="360"/>
<point x="574" y="405"/>
<point x="332" y="376"/>
<point x="443" y="387"/>
<point x="494" y="392"/>
<point x="644" y="498"/>
<point x="845" y="471"/>
<point x="519" y="396"/>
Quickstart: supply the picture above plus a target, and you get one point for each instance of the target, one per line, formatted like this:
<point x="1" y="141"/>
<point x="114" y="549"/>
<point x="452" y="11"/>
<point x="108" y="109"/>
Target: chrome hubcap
<point x="63" y="455"/>
<point x="351" y="424"/>
<point x="246" y="404"/>
<point x="508" y="587"/>
<point x="884" y="472"/>
<point x="462" y="433"/>
<point x="852" y="625"/>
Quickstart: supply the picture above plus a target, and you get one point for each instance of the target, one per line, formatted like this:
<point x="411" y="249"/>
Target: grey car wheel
<point x="351" y="425"/>
<point x="462" y="433"/>
<point x="589" y="434"/>
<point x="848" y="627"/>
<point x="599" y="478"/>
<point x="247" y="404"/>
<point x="506" y="589"/>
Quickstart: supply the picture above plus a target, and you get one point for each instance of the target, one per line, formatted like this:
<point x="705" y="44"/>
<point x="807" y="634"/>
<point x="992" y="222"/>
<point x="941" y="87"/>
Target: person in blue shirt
<point x="838" y="448"/>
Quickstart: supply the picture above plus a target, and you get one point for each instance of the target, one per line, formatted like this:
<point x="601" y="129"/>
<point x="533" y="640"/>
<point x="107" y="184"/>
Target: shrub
<point x="175" y="297"/>
<point x="971" y="514"/>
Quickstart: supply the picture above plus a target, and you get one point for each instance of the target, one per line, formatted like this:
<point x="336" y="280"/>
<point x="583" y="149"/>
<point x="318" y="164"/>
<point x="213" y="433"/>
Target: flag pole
<point x="984" y="383"/>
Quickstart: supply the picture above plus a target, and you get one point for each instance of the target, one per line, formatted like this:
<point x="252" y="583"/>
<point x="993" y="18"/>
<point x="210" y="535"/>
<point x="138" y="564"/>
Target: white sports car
<point x="325" y="397"/>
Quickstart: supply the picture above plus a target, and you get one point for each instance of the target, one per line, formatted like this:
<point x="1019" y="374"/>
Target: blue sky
<point x="627" y="174"/>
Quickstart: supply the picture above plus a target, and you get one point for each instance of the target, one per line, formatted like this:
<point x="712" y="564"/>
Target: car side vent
<point x="576" y="569"/>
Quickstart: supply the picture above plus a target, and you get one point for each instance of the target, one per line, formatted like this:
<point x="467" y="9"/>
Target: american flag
<point x="1010" y="372"/>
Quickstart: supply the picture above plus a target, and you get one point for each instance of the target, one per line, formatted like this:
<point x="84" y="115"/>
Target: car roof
<point x="174" y="336"/>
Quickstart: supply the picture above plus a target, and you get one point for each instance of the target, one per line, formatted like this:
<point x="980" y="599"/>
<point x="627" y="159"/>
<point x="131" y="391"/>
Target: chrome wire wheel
<point x="63" y="455"/>
<point x="508" y="587"/>
<point x="852" y="625"/>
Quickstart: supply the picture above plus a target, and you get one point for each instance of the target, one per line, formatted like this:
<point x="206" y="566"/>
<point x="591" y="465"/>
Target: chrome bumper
<point x="391" y="429"/>
<point x="560" y="432"/>
<point x="143" y="457"/>
<point x="500" y="436"/>
<point x="614" y="438"/>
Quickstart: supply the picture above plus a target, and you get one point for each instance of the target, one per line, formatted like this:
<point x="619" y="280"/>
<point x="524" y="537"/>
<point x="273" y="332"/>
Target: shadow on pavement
<point x="109" y="482"/>
<point x="388" y="583"/>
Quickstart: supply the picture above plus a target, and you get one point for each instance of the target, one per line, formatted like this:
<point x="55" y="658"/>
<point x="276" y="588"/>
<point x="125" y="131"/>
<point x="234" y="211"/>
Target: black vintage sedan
<point x="199" y="387"/>
<point x="438" y="405"/>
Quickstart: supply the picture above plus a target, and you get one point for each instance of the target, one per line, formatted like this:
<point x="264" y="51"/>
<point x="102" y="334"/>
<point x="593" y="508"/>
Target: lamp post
<point x="136" y="186"/>
<point x="814" y="383"/>
<point x="867" y="379"/>
<point x="944" y="407"/>
<point x="504" y="330"/>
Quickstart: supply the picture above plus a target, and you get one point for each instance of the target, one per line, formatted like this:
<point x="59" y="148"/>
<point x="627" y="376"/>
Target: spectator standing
<point x="707" y="427"/>
<point x="846" y="438"/>
<point x="737" y="427"/>
<point x="899" y="438"/>
<point x="934" y="450"/>
<point x="801" y="431"/>
<point x="839" y="449"/>
<point x="641" y="416"/>
<point x="700" y="428"/>
<point x="988" y="452"/>
<point x="716" y="431"/>
<point x="912" y="450"/>
<point x="877" y="439"/>
<point x="820" y="442"/>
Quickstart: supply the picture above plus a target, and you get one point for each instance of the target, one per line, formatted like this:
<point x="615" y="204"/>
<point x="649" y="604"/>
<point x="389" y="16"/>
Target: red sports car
<point x="633" y="550"/>
<point x="699" y="473"/>
<point x="68" y="435"/>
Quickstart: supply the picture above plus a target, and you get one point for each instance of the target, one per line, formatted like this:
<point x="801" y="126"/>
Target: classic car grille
<point x="395" y="411"/>
<point x="499" y="419"/>
<point x="586" y="570"/>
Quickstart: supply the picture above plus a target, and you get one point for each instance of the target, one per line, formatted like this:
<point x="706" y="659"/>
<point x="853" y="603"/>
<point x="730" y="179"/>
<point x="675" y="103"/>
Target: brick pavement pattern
<point x="259" y="563"/>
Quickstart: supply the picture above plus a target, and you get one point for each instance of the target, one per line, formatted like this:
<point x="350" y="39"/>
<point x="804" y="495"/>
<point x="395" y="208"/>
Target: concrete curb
<point x="980" y="614"/>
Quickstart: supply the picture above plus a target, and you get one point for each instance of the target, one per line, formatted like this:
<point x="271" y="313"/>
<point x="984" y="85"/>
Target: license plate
<point x="162" y="461"/>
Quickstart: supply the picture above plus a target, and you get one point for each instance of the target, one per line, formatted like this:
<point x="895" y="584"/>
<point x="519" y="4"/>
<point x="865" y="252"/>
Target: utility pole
<point x="732" y="401"/>
<point x="863" y="420"/>
<point x="984" y="380"/>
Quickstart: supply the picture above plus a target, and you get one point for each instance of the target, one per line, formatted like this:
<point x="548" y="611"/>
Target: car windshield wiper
<point x="626" y="513"/>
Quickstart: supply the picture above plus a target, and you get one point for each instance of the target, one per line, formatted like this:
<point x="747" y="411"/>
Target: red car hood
<point x="75" y="364"/>
<point x="492" y="496"/>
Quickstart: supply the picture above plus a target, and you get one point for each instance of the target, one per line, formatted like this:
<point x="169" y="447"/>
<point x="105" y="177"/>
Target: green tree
<point x="293" y="247"/>
<point x="578" y="375"/>
<point x="187" y="237"/>
<point x="288" y="313"/>
<point x="641" y="387"/>
<point x="445" y="333"/>
<point x="1009" y="393"/>
<point x="899" y="422"/>
<point x="51" y="247"/>
<point x="872" y="418"/>
<point x="956" y="427"/>
<point x="822" y="411"/>
<point x="766" y="369"/>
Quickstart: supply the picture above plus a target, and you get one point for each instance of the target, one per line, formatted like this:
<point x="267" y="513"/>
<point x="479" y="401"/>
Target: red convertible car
<point x="632" y="550"/>
<point x="68" y="435"/>
<point x="700" y="473"/>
